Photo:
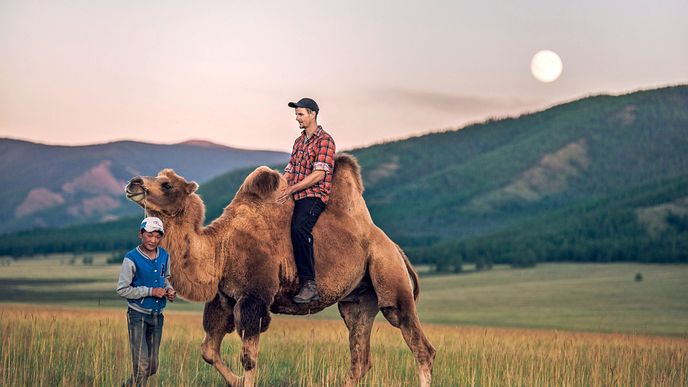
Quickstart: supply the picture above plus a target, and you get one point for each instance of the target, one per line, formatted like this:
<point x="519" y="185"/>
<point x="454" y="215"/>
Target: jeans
<point x="306" y="213"/>
<point x="145" y="332"/>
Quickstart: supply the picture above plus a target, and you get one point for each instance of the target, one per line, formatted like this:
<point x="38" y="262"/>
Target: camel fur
<point x="242" y="266"/>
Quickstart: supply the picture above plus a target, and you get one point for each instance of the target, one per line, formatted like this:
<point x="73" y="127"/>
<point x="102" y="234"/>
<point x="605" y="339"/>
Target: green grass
<point x="581" y="297"/>
<point x="587" y="297"/>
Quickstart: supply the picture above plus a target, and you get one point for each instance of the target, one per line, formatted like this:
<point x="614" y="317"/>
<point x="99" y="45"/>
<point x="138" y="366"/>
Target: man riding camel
<point x="309" y="178"/>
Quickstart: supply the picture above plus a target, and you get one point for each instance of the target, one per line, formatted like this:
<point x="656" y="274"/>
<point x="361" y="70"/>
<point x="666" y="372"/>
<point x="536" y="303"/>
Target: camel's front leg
<point x="359" y="316"/>
<point x="249" y="358"/>
<point x="252" y="316"/>
<point x="218" y="320"/>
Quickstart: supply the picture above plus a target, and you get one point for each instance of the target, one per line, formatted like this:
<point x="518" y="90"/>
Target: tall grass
<point x="80" y="347"/>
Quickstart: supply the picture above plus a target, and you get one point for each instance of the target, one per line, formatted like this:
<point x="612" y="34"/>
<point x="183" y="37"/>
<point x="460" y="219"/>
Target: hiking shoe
<point x="308" y="293"/>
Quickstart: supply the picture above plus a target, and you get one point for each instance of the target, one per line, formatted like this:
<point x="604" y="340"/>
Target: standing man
<point x="144" y="282"/>
<point x="309" y="178"/>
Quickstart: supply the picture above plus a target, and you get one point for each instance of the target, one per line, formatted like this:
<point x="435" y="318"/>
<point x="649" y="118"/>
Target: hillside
<point x="54" y="186"/>
<point x="599" y="179"/>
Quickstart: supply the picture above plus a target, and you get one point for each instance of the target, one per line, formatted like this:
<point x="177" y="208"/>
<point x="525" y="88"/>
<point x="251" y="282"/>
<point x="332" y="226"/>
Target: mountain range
<point x="602" y="178"/>
<point x="47" y="186"/>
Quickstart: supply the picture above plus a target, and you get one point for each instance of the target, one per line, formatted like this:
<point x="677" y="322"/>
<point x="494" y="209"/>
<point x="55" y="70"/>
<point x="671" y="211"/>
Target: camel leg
<point x="218" y="320"/>
<point x="358" y="316"/>
<point x="394" y="288"/>
<point x="249" y="358"/>
<point x="405" y="318"/>
<point x="252" y="316"/>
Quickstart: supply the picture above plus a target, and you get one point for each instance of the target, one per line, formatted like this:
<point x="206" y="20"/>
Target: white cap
<point x="151" y="224"/>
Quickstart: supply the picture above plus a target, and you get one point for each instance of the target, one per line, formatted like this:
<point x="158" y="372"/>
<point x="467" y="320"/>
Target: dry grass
<point x="583" y="297"/>
<point x="75" y="347"/>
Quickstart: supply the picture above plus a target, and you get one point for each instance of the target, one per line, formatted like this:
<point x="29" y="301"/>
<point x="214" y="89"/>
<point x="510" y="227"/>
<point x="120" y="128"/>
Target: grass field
<point x="43" y="345"/>
<point x="582" y="297"/>
<point x="556" y="324"/>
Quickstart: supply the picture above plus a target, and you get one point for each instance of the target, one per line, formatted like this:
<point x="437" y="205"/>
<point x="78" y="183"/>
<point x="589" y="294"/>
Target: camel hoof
<point x="236" y="382"/>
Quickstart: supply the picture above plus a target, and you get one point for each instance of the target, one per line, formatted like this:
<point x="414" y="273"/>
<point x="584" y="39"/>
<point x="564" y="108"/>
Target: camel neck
<point x="195" y="265"/>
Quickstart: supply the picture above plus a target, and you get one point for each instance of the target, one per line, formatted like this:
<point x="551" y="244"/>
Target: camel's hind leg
<point x="405" y="318"/>
<point x="394" y="287"/>
<point x="218" y="320"/>
<point x="358" y="315"/>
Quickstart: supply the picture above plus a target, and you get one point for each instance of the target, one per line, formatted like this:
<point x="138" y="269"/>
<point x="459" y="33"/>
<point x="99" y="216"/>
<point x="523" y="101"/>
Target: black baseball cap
<point x="305" y="103"/>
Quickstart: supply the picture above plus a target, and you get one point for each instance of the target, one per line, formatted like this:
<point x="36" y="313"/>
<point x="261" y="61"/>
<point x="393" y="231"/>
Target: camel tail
<point x="413" y="276"/>
<point x="345" y="161"/>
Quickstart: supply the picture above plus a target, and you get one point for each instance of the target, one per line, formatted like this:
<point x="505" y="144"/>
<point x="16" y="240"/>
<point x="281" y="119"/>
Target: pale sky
<point x="165" y="71"/>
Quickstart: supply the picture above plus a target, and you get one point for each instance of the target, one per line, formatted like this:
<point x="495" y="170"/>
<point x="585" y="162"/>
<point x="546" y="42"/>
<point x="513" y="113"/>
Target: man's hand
<point x="285" y="194"/>
<point x="311" y="179"/>
<point x="171" y="294"/>
<point x="158" y="292"/>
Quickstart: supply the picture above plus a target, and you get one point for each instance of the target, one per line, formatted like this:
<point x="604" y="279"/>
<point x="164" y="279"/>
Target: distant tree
<point x="483" y="263"/>
<point x="87" y="260"/>
<point x="457" y="265"/>
<point x="525" y="259"/>
<point x="680" y="223"/>
<point x="442" y="264"/>
<point x="116" y="258"/>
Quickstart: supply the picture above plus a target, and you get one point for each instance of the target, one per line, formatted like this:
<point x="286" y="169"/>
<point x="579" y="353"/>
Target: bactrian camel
<point x="242" y="266"/>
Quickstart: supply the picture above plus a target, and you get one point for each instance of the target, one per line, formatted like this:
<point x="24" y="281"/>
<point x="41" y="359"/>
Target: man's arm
<point x="170" y="293"/>
<point x="168" y="284"/>
<point x="126" y="276"/>
<point x="290" y="165"/>
<point x="308" y="181"/>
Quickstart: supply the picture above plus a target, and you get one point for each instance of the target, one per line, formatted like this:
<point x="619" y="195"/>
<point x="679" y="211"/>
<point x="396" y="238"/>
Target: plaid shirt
<point x="315" y="153"/>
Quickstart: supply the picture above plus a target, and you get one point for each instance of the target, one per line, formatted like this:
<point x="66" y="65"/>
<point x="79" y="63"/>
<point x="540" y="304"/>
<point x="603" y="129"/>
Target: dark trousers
<point x="145" y="333"/>
<point x="306" y="213"/>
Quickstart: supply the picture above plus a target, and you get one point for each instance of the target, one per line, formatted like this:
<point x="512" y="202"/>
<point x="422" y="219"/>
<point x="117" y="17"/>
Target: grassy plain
<point x="46" y="345"/>
<point x="582" y="297"/>
<point x="62" y="324"/>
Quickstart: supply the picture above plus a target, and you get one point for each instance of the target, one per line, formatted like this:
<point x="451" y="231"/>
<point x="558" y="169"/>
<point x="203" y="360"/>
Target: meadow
<point x="83" y="347"/>
<point x="581" y="297"/>
<point x="556" y="324"/>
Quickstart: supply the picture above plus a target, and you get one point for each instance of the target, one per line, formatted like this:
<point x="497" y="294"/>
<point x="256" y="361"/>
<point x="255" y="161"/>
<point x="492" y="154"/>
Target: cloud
<point x="450" y="103"/>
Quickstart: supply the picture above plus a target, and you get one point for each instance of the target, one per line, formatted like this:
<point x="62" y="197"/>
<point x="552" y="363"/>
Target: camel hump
<point x="347" y="162"/>
<point x="261" y="183"/>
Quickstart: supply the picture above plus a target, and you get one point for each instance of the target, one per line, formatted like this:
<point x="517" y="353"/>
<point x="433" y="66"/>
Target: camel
<point x="242" y="266"/>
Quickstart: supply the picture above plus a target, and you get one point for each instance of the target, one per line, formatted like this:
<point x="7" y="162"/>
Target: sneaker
<point x="308" y="293"/>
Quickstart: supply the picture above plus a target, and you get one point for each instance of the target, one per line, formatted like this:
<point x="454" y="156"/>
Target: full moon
<point x="546" y="66"/>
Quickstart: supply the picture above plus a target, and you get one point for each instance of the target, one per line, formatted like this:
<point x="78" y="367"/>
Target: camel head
<point x="165" y="194"/>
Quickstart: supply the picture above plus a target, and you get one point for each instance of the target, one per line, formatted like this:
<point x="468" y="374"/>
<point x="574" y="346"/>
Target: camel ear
<point x="191" y="187"/>
<point x="167" y="172"/>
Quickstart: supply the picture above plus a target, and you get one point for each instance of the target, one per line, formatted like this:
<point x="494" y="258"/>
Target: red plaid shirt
<point x="315" y="153"/>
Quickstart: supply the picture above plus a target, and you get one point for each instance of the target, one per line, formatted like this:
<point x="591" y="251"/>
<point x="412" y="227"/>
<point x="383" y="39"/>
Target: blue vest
<point x="150" y="273"/>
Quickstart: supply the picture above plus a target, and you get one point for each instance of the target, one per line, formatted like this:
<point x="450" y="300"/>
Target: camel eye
<point x="166" y="186"/>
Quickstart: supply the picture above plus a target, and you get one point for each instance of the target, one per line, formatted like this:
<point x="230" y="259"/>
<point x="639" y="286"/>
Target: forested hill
<point x="602" y="178"/>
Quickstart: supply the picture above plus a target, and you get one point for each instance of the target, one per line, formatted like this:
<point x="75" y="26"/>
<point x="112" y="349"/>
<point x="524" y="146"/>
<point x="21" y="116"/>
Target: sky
<point x="165" y="71"/>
